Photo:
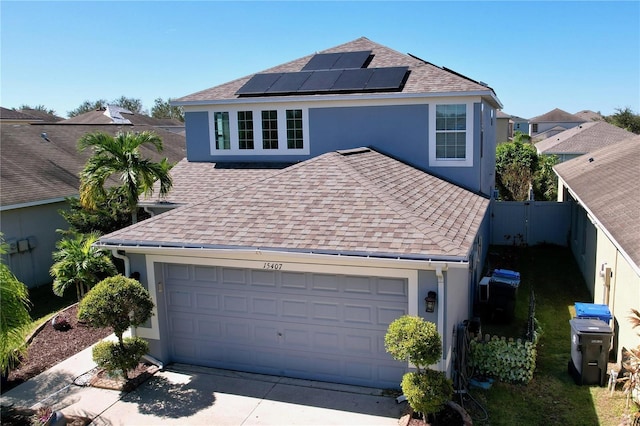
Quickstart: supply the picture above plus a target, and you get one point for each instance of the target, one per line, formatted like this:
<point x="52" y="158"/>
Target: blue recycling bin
<point x="593" y="311"/>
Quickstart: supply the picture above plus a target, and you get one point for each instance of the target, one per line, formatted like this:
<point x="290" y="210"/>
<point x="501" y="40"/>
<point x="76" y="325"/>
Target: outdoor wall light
<point x="430" y="301"/>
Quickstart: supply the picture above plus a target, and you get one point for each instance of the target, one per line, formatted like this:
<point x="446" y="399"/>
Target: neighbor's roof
<point x="357" y="202"/>
<point x="116" y="115"/>
<point x="557" y="116"/>
<point x="424" y="77"/>
<point x="606" y="184"/>
<point x="41" y="162"/>
<point x="197" y="181"/>
<point x="588" y="115"/>
<point x="13" y="115"/>
<point x="583" y="138"/>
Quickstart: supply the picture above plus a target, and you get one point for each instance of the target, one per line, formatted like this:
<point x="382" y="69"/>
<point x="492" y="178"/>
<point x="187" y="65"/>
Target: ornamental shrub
<point x="118" y="358"/>
<point x="413" y="338"/>
<point x="427" y="391"/>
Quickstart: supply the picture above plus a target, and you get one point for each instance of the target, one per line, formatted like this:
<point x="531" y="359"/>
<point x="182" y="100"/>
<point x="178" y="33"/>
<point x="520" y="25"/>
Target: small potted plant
<point x="46" y="416"/>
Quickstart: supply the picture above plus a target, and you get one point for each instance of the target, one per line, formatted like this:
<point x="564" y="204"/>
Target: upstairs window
<point x="270" y="129"/>
<point x="451" y="131"/>
<point x="222" y="134"/>
<point x="294" y="129"/>
<point x="245" y="129"/>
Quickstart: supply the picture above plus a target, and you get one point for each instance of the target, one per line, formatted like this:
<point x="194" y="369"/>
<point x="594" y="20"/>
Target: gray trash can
<point x="590" y="343"/>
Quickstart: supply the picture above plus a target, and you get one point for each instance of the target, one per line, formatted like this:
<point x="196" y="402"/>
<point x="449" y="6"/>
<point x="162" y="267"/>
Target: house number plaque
<point x="274" y="266"/>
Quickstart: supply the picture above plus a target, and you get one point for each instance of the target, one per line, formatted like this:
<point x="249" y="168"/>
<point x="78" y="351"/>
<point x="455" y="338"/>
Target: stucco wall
<point x="31" y="267"/>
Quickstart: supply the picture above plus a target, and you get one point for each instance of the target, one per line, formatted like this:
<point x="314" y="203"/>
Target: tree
<point x="132" y="104"/>
<point x="14" y="315"/>
<point x="121" y="155"/>
<point x="411" y="338"/>
<point x="545" y="181"/>
<point x="164" y="109"/>
<point x="112" y="214"/>
<point x="626" y="119"/>
<point x="516" y="165"/>
<point x="119" y="303"/>
<point x="79" y="263"/>
<point x="38" y="108"/>
<point x="87" y="106"/>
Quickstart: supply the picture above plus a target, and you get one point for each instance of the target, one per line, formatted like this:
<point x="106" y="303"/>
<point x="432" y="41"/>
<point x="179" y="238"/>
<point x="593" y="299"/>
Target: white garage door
<point x="306" y="325"/>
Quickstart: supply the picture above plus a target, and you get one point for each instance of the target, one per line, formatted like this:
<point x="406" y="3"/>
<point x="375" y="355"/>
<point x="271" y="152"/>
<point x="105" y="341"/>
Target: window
<point x="245" y="129"/>
<point x="451" y="131"/>
<point x="534" y="128"/>
<point x="270" y="129"/>
<point x="223" y="137"/>
<point x="294" y="129"/>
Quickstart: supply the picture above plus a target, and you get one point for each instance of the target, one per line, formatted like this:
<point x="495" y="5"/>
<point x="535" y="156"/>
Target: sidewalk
<point x="185" y="394"/>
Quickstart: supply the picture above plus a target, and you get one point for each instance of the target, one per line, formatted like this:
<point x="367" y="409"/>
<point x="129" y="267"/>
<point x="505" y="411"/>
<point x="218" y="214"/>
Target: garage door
<point x="307" y="325"/>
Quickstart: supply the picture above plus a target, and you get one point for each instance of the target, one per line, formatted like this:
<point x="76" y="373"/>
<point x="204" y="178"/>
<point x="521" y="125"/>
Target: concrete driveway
<point x="189" y="395"/>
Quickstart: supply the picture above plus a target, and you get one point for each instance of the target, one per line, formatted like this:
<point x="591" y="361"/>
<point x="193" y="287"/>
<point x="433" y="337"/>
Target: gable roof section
<point x="7" y="114"/>
<point x="117" y="115"/>
<point x="588" y="115"/>
<point x="34" y="169"/>
<point x="424" y="77"/>
<point x="583" y="138"/>
<point x="355" y="203"/>
<point x="557" y="116"/>
<point x="606" y="184"/>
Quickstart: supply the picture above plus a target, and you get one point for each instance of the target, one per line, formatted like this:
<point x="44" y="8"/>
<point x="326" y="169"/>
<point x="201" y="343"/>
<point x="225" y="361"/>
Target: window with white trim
<point x="245" y="129"/>
<point x="295" y="139"/>
<point x="451" y="134"/>
<point x="222" y="134"/>
<point x="270" y="129"/>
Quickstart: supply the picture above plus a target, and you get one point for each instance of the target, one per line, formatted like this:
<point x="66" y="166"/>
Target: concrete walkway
<point x="184" y="394"/>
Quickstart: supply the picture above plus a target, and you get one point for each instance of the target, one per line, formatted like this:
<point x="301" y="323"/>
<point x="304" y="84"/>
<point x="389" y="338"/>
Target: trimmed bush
<point x="413" y="338"/>
<point x="118" y="359"/>
<point x="427" y="391"/>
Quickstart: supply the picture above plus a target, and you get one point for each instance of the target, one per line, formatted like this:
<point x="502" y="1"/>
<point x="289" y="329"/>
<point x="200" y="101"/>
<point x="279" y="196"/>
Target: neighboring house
<point x="520" y="124"/>
<point x="11" y="116"/>
<point x="582" y="139"/>
<point x="39" y="168"/>
<point x="299" y="270"/>
<point x="588" y="115"/>
<point x="553" y="122"/>
<point x="113" y="114"/>
<point x="602" y="188"/>
<point x="508" y="125"/>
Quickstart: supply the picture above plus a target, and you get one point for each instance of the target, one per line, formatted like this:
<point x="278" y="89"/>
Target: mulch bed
<point x="142" y="373"/>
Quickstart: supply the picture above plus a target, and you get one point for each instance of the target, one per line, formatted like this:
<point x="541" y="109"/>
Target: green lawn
<point x="552" y="397"/>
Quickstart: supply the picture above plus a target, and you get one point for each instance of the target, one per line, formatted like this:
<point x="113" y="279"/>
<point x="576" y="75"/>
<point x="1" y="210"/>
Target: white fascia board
<point x="257" y="255"/>
<point x="33" y="204"/>
<point x="345" y="97"/>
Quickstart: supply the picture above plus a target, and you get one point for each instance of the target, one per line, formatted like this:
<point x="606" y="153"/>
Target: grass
<point x="552" y="397"/>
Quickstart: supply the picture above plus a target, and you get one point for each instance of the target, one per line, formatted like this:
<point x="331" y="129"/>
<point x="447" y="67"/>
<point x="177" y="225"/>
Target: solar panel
<point x="334" y="61"/>
<point x="386" y="78"/>
<point x="289" y="82"/>
<point x="353" y="79"/>
<point x="350" y="60"/>
<point x="322" y="61"/>
<point x="258" y="84"/>
<point x="320" y="81"/>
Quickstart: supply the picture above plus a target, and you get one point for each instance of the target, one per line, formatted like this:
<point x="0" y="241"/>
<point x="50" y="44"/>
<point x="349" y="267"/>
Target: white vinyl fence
<point x="530" y="222"/>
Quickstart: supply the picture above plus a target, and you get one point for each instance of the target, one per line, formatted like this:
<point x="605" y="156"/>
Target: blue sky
<point x="536" y="55"/>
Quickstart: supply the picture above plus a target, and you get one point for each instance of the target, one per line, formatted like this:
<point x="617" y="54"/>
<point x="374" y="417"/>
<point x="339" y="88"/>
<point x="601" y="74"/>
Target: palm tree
<point x="78" y="262"/>
<point x="121" y="155"/>
<point x="14" y="315"/>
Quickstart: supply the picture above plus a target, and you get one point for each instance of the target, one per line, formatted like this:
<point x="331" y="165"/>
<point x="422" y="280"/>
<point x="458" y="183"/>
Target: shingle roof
<point x="43" y="116"/>
<point x="557" y="116"/>
<point x="357" y="202"/>
<point x="423" y="78"/>
<point x="13" y="115"/>
<point x="33" y="169"/>
<point x="588" y="115"/>
<point x="583" y="138"/>
<point x="606" y="182"/>
<point x="99" y="117"/>
<point x="194" y="182"/>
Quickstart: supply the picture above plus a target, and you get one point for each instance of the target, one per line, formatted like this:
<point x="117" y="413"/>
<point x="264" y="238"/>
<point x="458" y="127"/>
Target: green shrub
<point x="118" y="359"/>
<point x="413" y="338"/>
<point x="427" y="391"/>
<point x="506" y="360"/>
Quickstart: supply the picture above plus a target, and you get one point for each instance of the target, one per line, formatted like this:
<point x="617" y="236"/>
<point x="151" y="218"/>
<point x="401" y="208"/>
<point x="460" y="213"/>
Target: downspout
<point x="120" y="254"/>
<point x="440" y="277"/>
<point x="150" y="212"/>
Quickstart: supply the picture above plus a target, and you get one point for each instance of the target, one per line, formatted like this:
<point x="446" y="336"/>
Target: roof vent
<point x="44" y="136"/>
<point x="591" y="159"/>
<point x="353" y="151"/>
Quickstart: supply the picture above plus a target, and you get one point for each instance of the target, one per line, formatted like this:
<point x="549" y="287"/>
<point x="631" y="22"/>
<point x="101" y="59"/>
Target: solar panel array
<point x="325" y="81"/>
<point x="343" y="60"/>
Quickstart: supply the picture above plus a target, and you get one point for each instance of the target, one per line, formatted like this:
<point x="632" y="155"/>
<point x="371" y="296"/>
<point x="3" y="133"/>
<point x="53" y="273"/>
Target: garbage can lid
<point x="593" y="310"/>
<point x="588" y="325"/>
